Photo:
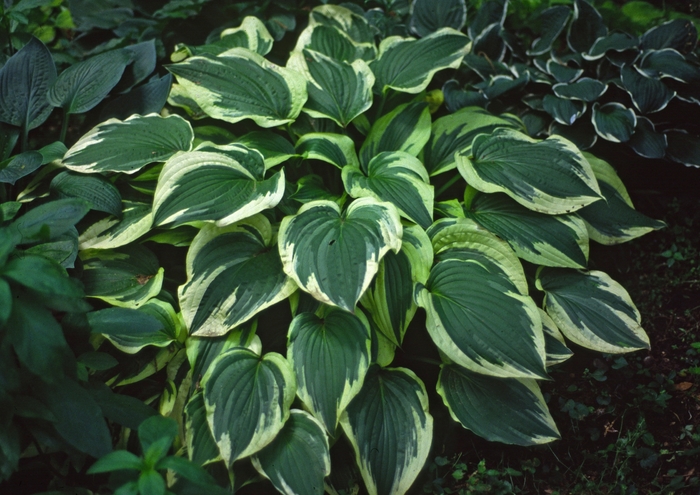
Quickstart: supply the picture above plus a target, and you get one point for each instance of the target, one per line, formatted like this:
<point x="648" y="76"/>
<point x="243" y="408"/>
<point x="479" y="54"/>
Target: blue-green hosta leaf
<point x="330" y="357"/>
<point x="679" y="34"/>
<point x="126" y="277"/>
<point x="82" y="86"/>
<point x="311" y="188"/>
<point x="18" y="166"/>
<point x="215" y="184"/>
<point x="669" y="63"/>
<point x="201" y="446"/>
<point x="406" y="128"/>
<point x="648" y="94"/>
<point x="564" y="111"/>
<point x="490" y="13"/>
<point x="585" y="89"/>
<point x="683" y="147"/>
<point x="233" y="273"/>
<point x="490" y="42"/>
<point x="274" y="148"/>
<point x="48" y="221"/>
<point x="247" y="398"/>
<point x="463" y="238"/>
<point x="552" y="22"/>
<point x="614" y="220"/>
<point x="336" y="149"/>
<point x="554" y="344"/>
<point x="334" y="256"/>
<point x="396" y="177"/>
<point x="427" y="17"/>
<point x="408" y="65"/>
<point x="240" y="84"/>
<point x="145" y="99"/>
<point x="585" y="28"/>
<point x="24" y="81"/>
<point x="337" y="90"/>
<point x="389" y="298"/>
<point x="111" y="232"/>
<point x="143" y="56"/>
<point x="477" y="318"/>
<point x="613" y="121"/>
<point x="646" y="141"/>
<point x="581" y="133"/>
<point x="455" y="132"/>
<point x="550" y="240"/>
<point x="390" y="429"/>
<point x="507" y="410"/>
<point x="592" y="310"/>
<point x="63" y="249"/>
<point x="563" y="73"/>
<point x="500" y="85"/>
<point x="618" y="42"/>
<point x="549" y="176"/>
<point x="95" y="189"/>
<point x="129" y="145"/>
<point x="298" y="459"/>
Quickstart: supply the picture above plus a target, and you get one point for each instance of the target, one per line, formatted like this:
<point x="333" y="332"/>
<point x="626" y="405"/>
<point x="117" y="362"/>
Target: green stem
<point x="447" y="185"/>
<point x="64" y="126"/>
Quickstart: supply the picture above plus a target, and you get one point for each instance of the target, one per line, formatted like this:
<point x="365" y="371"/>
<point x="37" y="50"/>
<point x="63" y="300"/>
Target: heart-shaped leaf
<point x="428" y="17"/>
<point x="585" y="89"/>
<point x="551" y="23"/>
<point x="336" y="149"/>
<point x="614" y="122"/>
<point x="585" y="28"/>
<point x="648" y="94"/>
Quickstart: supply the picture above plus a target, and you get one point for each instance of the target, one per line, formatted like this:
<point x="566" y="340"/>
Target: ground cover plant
<point x="282" y="257"/>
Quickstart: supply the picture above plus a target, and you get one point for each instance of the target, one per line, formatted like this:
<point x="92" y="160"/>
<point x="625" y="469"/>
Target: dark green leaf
<point x="585" y="28"/>
<point x="679" y="34"/>
<point x="648" y="94"/>
<point x="94" y="188"/>
<point x="551" y="23"/>
<point x="614" y="122"/>
<point x="585" y="89"/>
<point x="565" y="111"/>
<point x="13" y="169"/>
<point x="683" y="147"/>
<point x="427" y="17"/>
<point x="646" y="141"/>
<point x="116" y="461"/>
<point x="147" y="98"/>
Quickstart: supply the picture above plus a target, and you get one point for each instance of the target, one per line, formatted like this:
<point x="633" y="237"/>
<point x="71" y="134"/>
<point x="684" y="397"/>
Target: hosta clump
<point x="324" y="202"/>
<point x="571" y="76"/>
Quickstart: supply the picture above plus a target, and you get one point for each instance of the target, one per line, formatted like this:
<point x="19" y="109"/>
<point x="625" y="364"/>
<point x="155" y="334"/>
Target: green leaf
<point x="187" y="470"/>
<point x="555" y="346"/>
<point x="201" y="446"/>
<point x="21" y="165"/>
<point x="95" y="189"/>
<point x="345" y="21"/>
<point x="527" y="169"/>
<point x="679" y="34"/>
<point x="648" y="94"/>
<point x="332" y="41"/>
<point x="151" y="483"/>
<point x="618" y="42"/>
<point x="507" y="410"/>
<point x="63" y="249"/>
<point x="143" y="100"/>
<point x="561" y="72"/>
<point x="311" y="188"/>
<point x="398" y="178"/>
<point x="330" y="357"/>
<point x="233" y="273"/>
<point x="222" y="184"/>
<point x="336" y="149"/>
<point x="428" y="17"/>
<point x="247" y="399"/>
<point x="239" y="84"/>
<point x="5" y="302"/>
<point x="564" y="111"/>
<point x="592" y="310"/>
<point x="334" y="257"/>
<point x="111" y="232"/>
<point x="116" y="461"/>
<point x="477" y="318"/>
<point x="585" y="28"/>
<point x="614" y="122"/>
<point x="129" y="145"/>
<point x="298" y="459"/>
<point x="585" y="89"/>
<point x="156" y="435"/>
<point x="251" y="34"/>
<point x="406" y="128"/>
<point x="669" y="63"/>
<point x="408" y="65"/>
<point x="683" y="147"/>
<point x="123" y="409"/>
<point x="49" y="220"/>
<point x="390" y="429"/>
<point x="144" y="56"/>
<point x="273" y="147"/>
<point x="24" y="81"/>
<point x="551" y="23"/>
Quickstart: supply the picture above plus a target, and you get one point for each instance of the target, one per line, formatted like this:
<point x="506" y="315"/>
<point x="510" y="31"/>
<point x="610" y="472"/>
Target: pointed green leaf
<point x="129" y="145"/>
<point x="670" y="63"/>
<point x="247" y="398"/>
<point x="618" y="42"/>
<point x="336" y="149"/>
<point x="333" y="42"/>
<point x="585" y="89"/>
<point x="311" y="188"/>
<point x="344" y="20"/>
<point x="614" y="122"/>
<point x="554" y="343"/>
<point x="507" y="410"/>
<point x="233" y="273"/>
<point x="551" y="22"/>
<point x="586" y="27"/>
<point x="111" y="232"/>
<point x="428" y="17"/>
<point x="334" y="257"/>
<point x="201" y="447"/>
<point x="49" y="220"/>
<point x="648" y="94"/>
<point x="143" y="100"/>
<point x="62" y="249"/>
<point x="116" y="461"/>
<point x="251" y="34"/>
<point x="95" y="189"/>
<point x="679" y="34"/>
<point x="592" y="310"/>
<point x="564" y="111"/>
<point x="273" y="147"/>
<point x="561" y="72"/>
<point x="21" y="165"/>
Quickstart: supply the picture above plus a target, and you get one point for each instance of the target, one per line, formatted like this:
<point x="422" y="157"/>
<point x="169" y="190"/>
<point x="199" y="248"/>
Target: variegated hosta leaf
<point x="427" y="17"/>
<point x="337" y="90"/>
<point x="408" y="65"/>
<point x="346" y="21"/>
<point x="614" y="220"/>
<point x="550" y="176"/>
<point x="390" y="429"/>
<point x="463" y="238"/>
<point x="508" y="410"/>
<point x="334" y="43"/>
<point x="334" y="256"/>
<point x="247" y="398"/>
<point x="550" y="240"/>
<point x="336" y="149"/>
<point x="555" y="346"/>
<point x="129" y="145"/>
<point x="478" y="319"/>
<point x="232" y="274"/>
<point x="455" y="132"/>
<point x="592" y="310"/>
<point x="125" y="277"/>
<point x="201" y="446"/>
<point x="223" y="184"/>
<point x="330" y="357"/>
<point x="389" y="298"/>
<point x="110" y="232"/>
<point x="406" y="128"/>
<point x="311" y="188"/>
<point x="298" y="459"/>
<point x="240" y="84"/>
<point x="396" y="177"/>
<point x="274" y="148"/>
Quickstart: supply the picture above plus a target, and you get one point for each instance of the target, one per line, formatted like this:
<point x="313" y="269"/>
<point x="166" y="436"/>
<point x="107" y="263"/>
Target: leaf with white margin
<point x="389" y="298"/>
<point x="585" y="89"/>
<point x="336" y="149"/>
<point x="586" y="27"/>
<point x="247" y="398"/>
<point x="396" y="177"/>
<point x="592" y="310"/>
<point x="428" y="17"/>
<point x="550" y="176"/>
<point x="478" y="319"/>
<point x="507" y="410"/>
<point x="110" y="232"/>
<point x="298" y="459"/>
<point x="614" y="122"/>
<point x="554" y="344"/>
<point x="334" y="43"/>
<point x="649" y="94"/>
<point x="614" y="220"/>
<point x="201" y="446"/>
<point x="233" y="273"/>
<point x="337" y="90"/>
<point x="552" y="22"/>
<point x="274" y="148"/>
<point x="221" y="184"/>
<point x="408" y="65"/>
<point x="345" y="20"/>
<point x="463" y="238"/>
<point x="646" y="141"/>
<point x="240" y="84"/>
<point x="550" y="240"/>
<point x="330" y="357"/>
<point x="390" y="429"/>
<point x="334" y="256"/>
<point x="129" y="145"/>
